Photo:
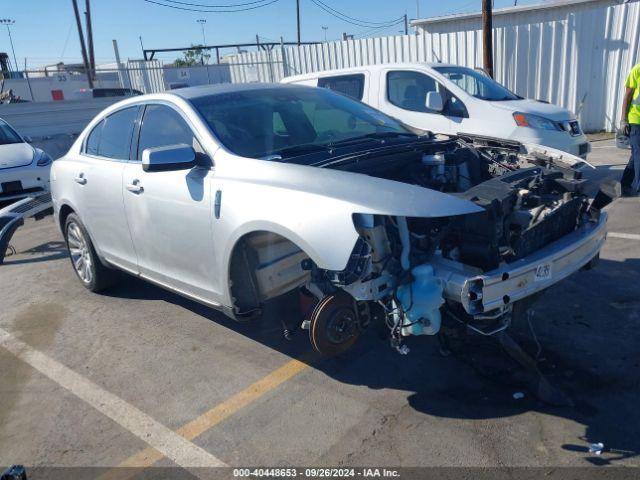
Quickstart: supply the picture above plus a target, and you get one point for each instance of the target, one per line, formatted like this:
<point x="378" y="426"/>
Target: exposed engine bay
<point x="412" y="272"/>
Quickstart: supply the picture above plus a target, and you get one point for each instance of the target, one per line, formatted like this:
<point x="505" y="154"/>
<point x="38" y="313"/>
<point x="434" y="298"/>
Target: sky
<point x="45" y="30"/>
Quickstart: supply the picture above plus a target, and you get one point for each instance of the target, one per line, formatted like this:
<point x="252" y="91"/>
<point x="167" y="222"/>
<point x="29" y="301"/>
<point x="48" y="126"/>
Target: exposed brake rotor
<point x="334" y="324"/>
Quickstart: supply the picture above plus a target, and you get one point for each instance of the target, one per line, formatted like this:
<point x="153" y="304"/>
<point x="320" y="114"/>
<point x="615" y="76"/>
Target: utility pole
<point x="325" y="33"/>
<point x="487" y="37"/>
<point x="141" y="46"/>
<point x="202" y="21"/>
<point x="7" y="22"/>
<point x="406" y="25"/>
<point x="82" y="45"/>
<point x="298" y="18"/>
<point x="92" y="59"/>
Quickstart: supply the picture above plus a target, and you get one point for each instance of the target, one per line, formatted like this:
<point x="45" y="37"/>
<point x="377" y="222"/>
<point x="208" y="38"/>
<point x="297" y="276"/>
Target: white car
<point x="237" y="194"/>
<point x="23" y="169"/>
<point x="452" y="100"/>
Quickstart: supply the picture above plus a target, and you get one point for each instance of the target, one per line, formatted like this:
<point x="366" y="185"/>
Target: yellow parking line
<point x="219" y="413"/>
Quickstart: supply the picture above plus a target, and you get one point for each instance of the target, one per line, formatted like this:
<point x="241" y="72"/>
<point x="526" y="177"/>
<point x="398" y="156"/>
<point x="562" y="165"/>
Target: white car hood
<point x="15" y="155"/>
<point x="546" y="110"/>
<point x="359" y="193"/>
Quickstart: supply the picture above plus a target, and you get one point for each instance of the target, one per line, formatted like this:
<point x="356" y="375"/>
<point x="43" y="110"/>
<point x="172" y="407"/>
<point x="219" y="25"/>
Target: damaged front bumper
<point x="480" y="293"/>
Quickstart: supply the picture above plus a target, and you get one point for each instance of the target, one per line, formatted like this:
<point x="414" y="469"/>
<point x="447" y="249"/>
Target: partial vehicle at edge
<point x="24" y="169"/>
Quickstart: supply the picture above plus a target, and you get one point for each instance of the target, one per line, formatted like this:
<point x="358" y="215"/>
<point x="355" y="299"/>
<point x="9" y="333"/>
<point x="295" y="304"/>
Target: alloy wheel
<point x="80" y="252"/>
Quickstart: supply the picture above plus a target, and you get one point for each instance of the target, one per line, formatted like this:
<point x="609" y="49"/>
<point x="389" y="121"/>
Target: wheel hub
<point x="334" y="325"/>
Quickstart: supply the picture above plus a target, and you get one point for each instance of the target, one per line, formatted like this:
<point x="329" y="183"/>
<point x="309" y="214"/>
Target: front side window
<point x="477" y="84"/>
<point x="349" y="85"/>
<point x="163" y="126"/>
<point x="263" y="122"/>
<point x="408" y="90"/>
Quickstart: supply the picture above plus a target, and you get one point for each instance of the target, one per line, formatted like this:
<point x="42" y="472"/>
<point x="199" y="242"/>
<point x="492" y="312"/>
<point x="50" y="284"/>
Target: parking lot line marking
<point x="161" y="438"/>
<point x="627" y="236"/>
<point x="222" y="411"/>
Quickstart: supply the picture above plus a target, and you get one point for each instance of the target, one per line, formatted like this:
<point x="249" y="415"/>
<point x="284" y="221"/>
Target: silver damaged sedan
<point x="235" y="195"/>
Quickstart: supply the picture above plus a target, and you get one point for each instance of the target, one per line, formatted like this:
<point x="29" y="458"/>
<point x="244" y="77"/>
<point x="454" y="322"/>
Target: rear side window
<point x="408" y="90"/>
<point x="162" y="126"/>
<point x="115" y="138"/>
<point x="349" y="85"/>
<point x="93" y="140"/>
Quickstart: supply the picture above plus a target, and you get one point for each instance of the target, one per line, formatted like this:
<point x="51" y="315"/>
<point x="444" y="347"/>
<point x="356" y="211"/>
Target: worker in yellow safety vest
<point x="630" y="125"/>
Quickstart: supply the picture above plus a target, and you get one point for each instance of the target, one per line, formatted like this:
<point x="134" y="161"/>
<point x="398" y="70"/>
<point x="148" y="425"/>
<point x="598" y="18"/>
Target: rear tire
<point x="84" y="260"/>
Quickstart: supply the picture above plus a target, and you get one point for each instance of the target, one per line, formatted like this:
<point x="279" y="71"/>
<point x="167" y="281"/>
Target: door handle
<point x="217" y="204"/>
<point x="135" y="187"/>
<point x="80" y="179"/>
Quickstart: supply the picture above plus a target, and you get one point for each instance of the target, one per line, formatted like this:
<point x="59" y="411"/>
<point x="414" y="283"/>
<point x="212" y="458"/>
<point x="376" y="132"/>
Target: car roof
<point x="373" y="67"/>
<point x="190" y="93"/>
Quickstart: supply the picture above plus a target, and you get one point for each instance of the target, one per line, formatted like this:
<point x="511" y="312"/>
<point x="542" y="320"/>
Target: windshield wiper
<point x="327" y="147"/>
<point x="372" y="136"/>
<point x="302" y="148"/>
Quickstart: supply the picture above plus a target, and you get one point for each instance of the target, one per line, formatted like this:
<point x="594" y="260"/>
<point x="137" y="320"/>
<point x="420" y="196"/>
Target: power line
<point x="459" y="9"/>
<point x="66" y="41"/>
<point x="376" y="30"/>
<point x="351" y="20"/>
<point x="337" y="12"/>
<point x="212" y="11"/>
<point x="207" y="5"/>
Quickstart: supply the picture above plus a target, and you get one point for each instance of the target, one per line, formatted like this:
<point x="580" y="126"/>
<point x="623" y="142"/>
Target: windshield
<point x="286" y="121"/>
<point x="8" y="135"/>
<point x="477" y="84"/>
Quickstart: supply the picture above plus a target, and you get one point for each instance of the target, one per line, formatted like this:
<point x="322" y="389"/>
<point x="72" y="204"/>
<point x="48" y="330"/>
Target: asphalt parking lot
<point x="137" y="376"/>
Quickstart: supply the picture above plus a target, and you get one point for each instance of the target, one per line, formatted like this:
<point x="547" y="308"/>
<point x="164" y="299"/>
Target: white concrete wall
<point x="70" y="85"/>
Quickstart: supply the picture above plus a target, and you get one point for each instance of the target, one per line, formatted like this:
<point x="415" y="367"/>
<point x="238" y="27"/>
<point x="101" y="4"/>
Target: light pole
<point x="325" y="33"/>
<point x="8" y="22"/>
<point x="202" y="21"/>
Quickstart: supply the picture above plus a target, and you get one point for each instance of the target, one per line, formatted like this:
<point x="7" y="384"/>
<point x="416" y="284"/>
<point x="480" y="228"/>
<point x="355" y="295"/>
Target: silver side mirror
<point x="171" y="157"/>
<point x="434" y="102"/>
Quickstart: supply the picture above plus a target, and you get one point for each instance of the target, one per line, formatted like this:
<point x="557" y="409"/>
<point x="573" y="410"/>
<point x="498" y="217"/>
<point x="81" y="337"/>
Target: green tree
<point x="192" y="57"/>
